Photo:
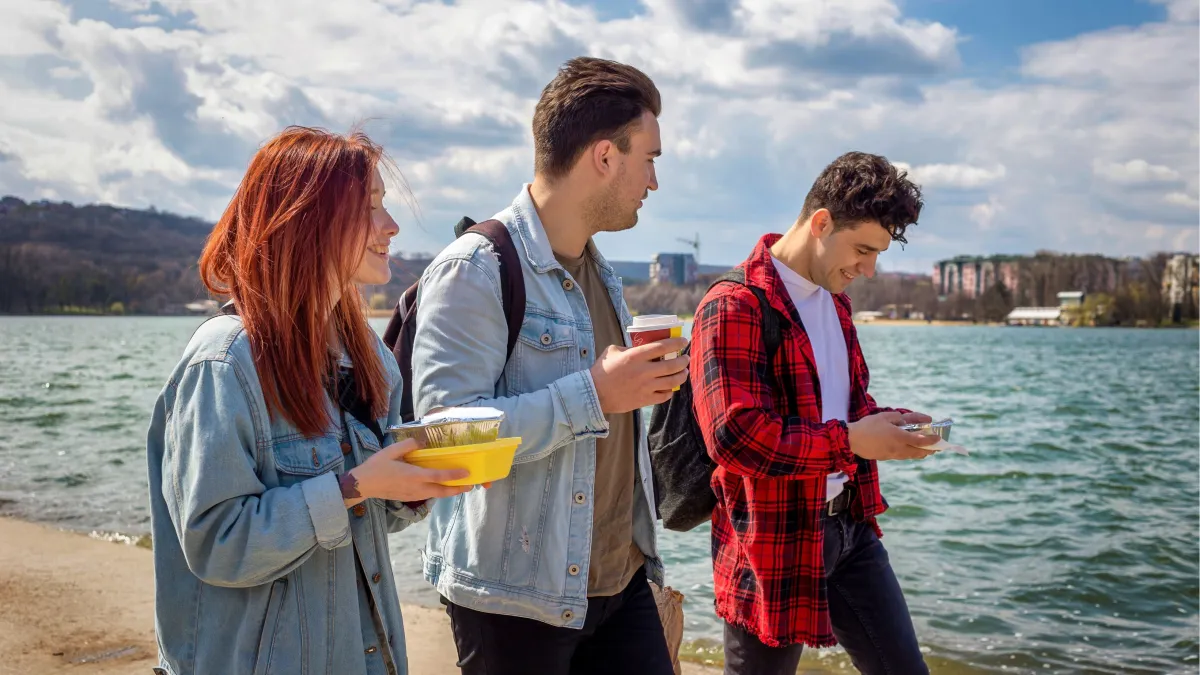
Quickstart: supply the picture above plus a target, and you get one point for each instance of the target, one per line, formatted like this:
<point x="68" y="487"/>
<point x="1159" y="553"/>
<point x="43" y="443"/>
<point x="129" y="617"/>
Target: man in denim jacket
<point x="546" y="572"/>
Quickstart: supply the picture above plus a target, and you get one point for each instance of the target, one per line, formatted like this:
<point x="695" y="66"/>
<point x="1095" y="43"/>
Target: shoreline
<point x="69" y="600"/>
<point x="387" y="314"/>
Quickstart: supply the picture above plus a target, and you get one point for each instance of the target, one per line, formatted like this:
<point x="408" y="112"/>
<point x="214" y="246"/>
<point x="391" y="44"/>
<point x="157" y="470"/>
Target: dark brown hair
<point x="589" y="100"/>
<point x="858" y="187"/>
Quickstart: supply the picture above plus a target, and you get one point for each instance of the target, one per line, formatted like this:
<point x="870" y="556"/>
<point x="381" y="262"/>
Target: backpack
<point x="679" y="460"/>
<point x="402" y="327"/>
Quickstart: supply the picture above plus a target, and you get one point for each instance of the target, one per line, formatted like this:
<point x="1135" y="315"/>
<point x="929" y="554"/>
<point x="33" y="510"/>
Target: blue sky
<point x="1069" y="125"/>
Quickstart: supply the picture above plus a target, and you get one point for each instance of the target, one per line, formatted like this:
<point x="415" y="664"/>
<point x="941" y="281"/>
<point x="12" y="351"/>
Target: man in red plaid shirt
<point x="796" y="553"/>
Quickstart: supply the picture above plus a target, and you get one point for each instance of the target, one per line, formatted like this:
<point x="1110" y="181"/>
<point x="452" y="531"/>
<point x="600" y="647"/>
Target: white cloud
<point x="1182" y="199"/>
<point x="1094" y="141"/>
<point x="953" y="175"/>
<point x="25" y="28"/>
<point x="1181" y="11"/>
<point x="1135" y="172"/>
<point x="984" y="214"/>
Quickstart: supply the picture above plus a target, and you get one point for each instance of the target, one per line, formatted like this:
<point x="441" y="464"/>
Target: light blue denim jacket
<point x="523" y="546"/>
<point x="255" y="553"/>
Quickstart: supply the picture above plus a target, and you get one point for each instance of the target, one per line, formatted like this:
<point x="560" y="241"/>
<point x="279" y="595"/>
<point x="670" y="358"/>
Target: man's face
<point x="616" y="206"/>
<point x="846" y="254"/>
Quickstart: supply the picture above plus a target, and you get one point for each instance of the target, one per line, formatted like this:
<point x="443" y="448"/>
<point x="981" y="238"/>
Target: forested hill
<point x="61" y="257"/>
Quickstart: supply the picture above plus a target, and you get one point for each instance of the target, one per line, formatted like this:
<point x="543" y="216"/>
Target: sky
<point x="1071" y="126"/>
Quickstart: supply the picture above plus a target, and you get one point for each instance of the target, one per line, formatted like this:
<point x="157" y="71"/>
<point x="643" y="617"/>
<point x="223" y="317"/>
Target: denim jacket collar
<point x="532" y="234"/>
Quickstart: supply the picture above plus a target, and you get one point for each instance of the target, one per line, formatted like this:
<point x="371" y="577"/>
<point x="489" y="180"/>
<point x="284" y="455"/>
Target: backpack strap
<point x="772" y="330"/>
<point x="401" y="329"/>
<point x="512" y="281"/>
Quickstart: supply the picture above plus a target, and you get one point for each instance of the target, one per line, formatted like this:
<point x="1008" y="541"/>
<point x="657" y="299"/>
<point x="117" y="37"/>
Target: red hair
<point x="288" y="243"/>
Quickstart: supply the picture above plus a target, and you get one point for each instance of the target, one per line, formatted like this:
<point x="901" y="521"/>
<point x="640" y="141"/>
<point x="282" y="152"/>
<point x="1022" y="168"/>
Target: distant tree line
<point x="57" y="257"/>
<point x="1118" y="292"/>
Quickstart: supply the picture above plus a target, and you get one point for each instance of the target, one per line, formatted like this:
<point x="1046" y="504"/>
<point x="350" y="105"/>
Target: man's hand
<point x="630" y="378"/>
<point x="879" y="437"/>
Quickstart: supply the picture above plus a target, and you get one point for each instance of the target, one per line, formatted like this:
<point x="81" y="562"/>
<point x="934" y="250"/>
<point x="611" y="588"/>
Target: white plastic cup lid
<point x="654" y="322"/>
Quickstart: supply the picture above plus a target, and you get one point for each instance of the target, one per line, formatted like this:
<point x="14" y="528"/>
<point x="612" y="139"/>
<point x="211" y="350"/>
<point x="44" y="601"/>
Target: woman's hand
<point x="385" y="475"/>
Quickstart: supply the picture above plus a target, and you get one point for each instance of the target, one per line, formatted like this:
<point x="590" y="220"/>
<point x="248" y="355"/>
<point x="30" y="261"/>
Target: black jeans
<point x="866" y="607"/>
<point x="621" y="634"/>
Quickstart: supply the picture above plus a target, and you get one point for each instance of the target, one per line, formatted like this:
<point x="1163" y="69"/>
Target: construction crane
<point x="694" y="243"/>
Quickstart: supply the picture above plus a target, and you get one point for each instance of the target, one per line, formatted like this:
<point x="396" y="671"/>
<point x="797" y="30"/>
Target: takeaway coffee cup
<point x="654" y="327"/>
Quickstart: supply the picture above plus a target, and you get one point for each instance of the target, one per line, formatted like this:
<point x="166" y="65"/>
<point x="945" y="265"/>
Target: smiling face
<point x="373" y="268"/>
<point x="632" y="178"/>
<point x="846" y="251"/>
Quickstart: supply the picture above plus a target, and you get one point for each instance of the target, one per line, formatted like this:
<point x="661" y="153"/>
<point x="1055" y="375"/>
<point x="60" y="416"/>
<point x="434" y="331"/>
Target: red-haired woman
<point x="271" y="490"/>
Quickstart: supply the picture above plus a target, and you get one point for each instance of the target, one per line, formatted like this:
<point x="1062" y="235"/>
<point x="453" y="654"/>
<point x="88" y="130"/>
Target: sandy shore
<point x="71" y="603"/>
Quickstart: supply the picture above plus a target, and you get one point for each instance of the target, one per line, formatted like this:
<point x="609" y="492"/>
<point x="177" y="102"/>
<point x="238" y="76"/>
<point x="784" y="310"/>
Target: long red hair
<point x="289" y="242"/>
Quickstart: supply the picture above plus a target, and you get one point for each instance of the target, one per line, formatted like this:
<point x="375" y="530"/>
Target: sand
<point x="73" y="604"/>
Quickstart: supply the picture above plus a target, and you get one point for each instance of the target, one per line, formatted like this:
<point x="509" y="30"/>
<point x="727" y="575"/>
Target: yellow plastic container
<point x="486" y="461"/>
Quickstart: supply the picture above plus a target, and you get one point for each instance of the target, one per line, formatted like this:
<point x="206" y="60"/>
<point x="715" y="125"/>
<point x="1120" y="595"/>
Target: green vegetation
<point x="58" y="258"/>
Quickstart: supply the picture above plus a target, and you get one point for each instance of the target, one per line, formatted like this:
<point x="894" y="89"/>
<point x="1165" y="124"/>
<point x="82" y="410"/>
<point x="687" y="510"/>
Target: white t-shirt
<point x="817" y="311"/>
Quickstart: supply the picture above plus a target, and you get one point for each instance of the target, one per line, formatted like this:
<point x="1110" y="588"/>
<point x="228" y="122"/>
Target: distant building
<point x="1070" y="299"/>
<point x="203" y="306"/>
<point x="673" y="268"/>
<point x="1181" y="283"/>
<point x="972" y="276"/>
<point x="1035" y="316"/>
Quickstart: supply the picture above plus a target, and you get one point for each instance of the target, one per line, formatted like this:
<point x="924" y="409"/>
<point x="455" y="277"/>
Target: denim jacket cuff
<point x="577" y="395"/>
<point x="327" y="510"/>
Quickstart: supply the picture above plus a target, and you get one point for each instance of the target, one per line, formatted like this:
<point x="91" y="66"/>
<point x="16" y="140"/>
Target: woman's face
<point x="373" y="268"/>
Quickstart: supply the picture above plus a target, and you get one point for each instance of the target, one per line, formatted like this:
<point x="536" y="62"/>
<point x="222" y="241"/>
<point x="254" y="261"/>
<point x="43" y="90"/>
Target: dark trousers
<point x="621" y="634"/>
<point x="866" y="607"/>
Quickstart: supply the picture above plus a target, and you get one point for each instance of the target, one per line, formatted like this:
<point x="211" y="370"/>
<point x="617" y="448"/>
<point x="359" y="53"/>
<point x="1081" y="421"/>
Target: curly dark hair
<point x="589" y="100"/>
<point x="859" y="187"/>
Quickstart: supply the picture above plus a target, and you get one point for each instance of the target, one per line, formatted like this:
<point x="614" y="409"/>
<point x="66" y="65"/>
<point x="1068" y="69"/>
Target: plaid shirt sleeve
<point x="734" y="406"/>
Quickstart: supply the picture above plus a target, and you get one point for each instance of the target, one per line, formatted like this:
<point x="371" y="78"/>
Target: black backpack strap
<point x="512" y="281"/>
<point x="401" y="329"/>
<point x="772" y="330"/>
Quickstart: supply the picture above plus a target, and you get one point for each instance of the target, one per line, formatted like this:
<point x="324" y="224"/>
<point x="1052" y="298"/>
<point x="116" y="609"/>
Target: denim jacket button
<point x="573" y="570"/>
<point x="345" y="448"/>
<point x="376" y="577"/>
<point x="568" y="285"/>
<point x="360" y="510"/>
<point x="546" y="339"/>
<point x="372" y="649"/>
<point x="568" y="615"/>
<point x="580" y="498"/>
<point x="583" y="352"/>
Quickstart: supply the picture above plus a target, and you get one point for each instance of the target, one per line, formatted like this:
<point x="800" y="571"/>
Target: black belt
<point x="842" y="502"/>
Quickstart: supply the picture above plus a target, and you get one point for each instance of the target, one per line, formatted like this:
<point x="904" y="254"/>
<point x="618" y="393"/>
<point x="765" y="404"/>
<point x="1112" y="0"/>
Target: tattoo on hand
<point x="349" y="485"/>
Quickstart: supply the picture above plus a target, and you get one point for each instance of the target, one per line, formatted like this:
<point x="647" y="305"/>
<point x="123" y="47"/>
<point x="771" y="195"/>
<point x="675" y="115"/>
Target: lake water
<point x="1068" y="542"/>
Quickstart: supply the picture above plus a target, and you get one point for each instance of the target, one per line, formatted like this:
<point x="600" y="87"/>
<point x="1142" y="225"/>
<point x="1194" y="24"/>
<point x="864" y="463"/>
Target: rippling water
<point x="1068" y="541"/>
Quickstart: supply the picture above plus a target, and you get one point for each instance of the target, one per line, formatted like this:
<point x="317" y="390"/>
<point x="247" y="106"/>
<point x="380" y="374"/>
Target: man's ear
<point x="602" y="155"/>
<point x="820" y="223"/>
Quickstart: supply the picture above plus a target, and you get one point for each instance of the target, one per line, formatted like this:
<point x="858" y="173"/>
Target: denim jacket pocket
<point x="542" y="354"/>
<point x="545" y="334"/>
<point x="303" y="458"/>
<point x="367" y="439"/>
<point x="266" y="642"/>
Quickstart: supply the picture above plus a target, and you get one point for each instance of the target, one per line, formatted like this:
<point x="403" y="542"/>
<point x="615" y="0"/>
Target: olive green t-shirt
<point x="615" y="557"/>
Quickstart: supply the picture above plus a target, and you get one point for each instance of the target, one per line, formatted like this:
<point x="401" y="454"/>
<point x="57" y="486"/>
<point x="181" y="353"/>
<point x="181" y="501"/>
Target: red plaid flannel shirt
<point x="768" y="570"/>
